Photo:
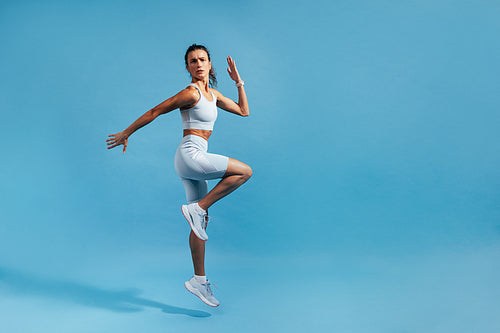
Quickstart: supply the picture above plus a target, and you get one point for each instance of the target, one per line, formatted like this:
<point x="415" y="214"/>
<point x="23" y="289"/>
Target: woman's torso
<point x="200" y="118"/>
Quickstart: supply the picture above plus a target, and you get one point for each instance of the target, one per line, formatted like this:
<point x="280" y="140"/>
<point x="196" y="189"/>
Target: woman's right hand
<point x="116" y="140"/>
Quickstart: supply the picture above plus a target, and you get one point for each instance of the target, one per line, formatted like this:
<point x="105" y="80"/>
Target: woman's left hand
<point x="233" y="72"/>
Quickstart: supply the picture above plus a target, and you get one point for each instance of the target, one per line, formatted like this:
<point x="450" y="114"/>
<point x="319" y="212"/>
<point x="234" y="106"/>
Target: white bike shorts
<point x="195" y="166"/>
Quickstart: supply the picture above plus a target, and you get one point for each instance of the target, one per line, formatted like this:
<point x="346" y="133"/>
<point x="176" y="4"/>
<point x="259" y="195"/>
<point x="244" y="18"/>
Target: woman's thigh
<point x="195" y="189"/>
<point x="199" y="165"/>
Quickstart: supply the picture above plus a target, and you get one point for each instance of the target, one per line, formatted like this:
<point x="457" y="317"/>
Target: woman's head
<point x="195" y="52"/>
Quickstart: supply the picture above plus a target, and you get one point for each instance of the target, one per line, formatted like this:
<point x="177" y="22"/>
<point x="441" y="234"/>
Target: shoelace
<point x="206" y="218"/>
<point x="207" y="287"/>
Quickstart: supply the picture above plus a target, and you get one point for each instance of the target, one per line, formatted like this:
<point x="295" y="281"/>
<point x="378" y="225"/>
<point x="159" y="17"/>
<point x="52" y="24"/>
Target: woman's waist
<point x="205" y="134"/>
<point x="193" y="142"/>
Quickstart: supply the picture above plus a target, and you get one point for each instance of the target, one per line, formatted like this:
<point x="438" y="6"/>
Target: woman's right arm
<point x="184" y="98"/>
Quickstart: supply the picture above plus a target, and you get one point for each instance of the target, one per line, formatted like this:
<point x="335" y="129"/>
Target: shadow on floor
<point x="114" y="300"/>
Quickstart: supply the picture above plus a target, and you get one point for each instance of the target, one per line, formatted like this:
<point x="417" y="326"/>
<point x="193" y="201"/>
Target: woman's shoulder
<point x="191" y="91"/>
<point x="190" y="88"/>
<point x="216" y="93"/>
<point x="188" y="97"/>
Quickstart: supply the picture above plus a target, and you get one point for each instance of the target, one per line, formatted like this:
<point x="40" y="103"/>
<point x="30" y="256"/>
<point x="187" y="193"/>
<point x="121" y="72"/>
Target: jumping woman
<point x="198" y="106"/>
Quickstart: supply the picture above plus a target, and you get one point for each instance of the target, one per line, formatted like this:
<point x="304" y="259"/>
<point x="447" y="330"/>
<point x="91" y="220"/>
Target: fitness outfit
<point x="193" y="164"/>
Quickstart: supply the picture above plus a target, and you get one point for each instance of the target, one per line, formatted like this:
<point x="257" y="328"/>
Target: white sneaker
<point x="202" y="290"/>
<point x="198" y="222"/>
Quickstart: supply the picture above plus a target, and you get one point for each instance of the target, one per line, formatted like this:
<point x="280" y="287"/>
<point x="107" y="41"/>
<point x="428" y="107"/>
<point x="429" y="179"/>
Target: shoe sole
<point x="185" y="212"/>
<point x="193" y="291"/>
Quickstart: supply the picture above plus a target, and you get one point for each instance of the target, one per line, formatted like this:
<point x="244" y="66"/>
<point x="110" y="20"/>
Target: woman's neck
<point x="202" y="84"/>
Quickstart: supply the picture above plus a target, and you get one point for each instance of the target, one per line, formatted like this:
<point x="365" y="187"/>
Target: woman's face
<point x="198" y="64"/>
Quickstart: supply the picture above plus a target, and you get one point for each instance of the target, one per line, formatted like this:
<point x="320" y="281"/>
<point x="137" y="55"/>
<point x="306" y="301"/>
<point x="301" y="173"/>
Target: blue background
<point x="373" y="136"/>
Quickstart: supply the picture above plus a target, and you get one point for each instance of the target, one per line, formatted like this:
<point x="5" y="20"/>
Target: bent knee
<point x="247" y="173"/>
<point x="239" y="169"/>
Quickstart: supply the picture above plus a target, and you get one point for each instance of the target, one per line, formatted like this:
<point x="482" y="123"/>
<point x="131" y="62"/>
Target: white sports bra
<point x="202" y="115"/>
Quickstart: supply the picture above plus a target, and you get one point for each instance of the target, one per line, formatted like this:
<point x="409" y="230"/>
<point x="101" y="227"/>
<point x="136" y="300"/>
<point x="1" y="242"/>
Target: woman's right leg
<point x="196" y="189"/>
<point x="237" y="173"/>
<point x="197" y="254"/>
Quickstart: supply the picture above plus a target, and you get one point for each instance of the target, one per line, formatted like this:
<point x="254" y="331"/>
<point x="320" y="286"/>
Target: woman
<point x="198" y="106"/>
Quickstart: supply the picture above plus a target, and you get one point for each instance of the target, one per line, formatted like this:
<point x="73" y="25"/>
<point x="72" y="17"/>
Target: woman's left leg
<point x="236" y="174"/>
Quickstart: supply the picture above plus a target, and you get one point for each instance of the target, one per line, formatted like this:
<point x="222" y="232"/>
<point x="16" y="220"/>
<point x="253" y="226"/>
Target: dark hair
<point x="213" y="79"/>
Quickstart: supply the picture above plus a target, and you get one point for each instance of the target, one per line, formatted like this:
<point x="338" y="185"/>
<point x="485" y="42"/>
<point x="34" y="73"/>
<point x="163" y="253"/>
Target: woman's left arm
<point x="240" y="108"/>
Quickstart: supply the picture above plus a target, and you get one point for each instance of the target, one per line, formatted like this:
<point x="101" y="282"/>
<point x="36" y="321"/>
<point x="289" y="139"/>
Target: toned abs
<point x="205" y="134"/>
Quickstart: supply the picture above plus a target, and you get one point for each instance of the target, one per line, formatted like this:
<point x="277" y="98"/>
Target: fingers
<point x="113" y="142"/>
<point x="113" y="146"/>
<point x="112" y="139"/>
<point x="232" y="71"/>
<point x="125" y="145"/>
<point x="231" y="63"/>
